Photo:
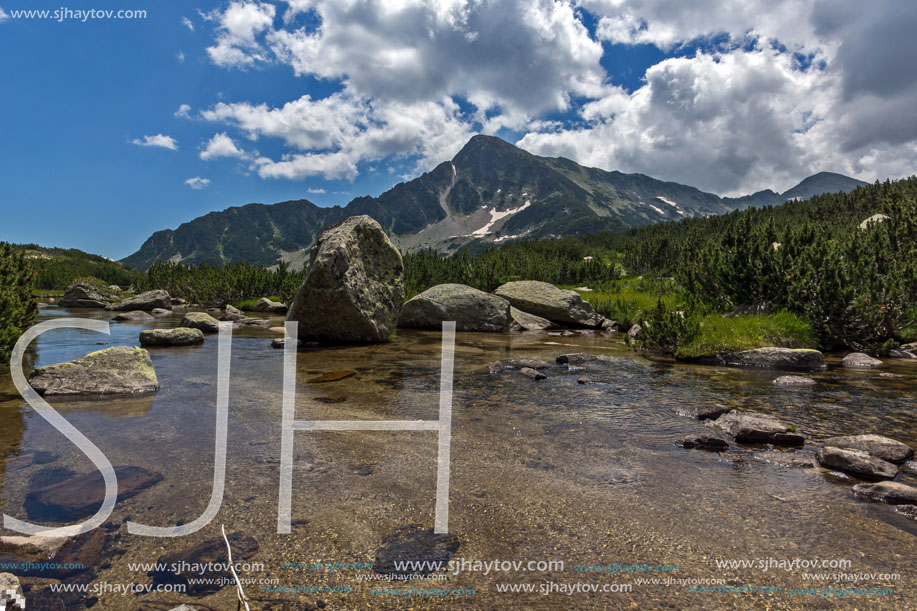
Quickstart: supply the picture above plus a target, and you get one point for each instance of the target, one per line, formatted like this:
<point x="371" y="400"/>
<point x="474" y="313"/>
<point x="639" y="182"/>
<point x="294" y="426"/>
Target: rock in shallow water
<point x="529" y="322"/>
<point x="577" y="358"/>
<point x="134" y="316"/>
<point x="81" y="496"/>
<point x="201" y="320"/>
<point x="893" y="493"/>
<point x="118" y="370"/>
<point x="704" y="442"/>
<point x="703" y="412"/>
<point x="471" y="309"/>
<point x="179" y="336"/>
<point x="859" y="359"/>
<point x="518" y="363"/>
<point x="875" y="445"/>
<point x="354" y="289"/>
<point x="757" y="428"/>
<point x="856" y="462"/>
<point x="532" y="374"/>
<point x="770" y="358"/>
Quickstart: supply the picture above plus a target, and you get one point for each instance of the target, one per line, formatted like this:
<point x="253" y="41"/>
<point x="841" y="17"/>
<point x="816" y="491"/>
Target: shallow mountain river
<point x="541" y="473"/>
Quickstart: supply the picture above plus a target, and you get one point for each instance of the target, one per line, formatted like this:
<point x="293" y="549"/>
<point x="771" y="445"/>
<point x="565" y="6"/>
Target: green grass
<point x="719" y="334"/>
<point x="248" y="304"/>
<point x="627" y="299"/>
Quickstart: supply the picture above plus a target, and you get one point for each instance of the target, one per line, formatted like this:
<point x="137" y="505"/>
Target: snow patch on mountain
<point x="496" y="216"/>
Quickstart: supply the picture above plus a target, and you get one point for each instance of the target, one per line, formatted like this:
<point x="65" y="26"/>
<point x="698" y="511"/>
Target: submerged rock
<point x="547" y="301"/>
<point x="856" y="462"/>
<point x="201" y="320"/>
<point x="757" y="428"/>
<point x="875" y="445"/>
<point x="79" y="497"/>
<point x="147" y="301"/>
<point x="179" y="336"/>
<point x="794" y="460"/>
<point x="859" y="359"/>
<point x="532" y="374"/>
<point x="354" y="289"/>
<point x="518" y="363"/>
<point x="85" y="294"/>
<point x="770" y="358"/>
<point x="205" y="562"/>
<point x="529" y="322"/>
<point x="706" y="411"/>
<point x="118" y="370"/>
<point x="794" y="381"/>
<point x="577" y="358"/>
<point x="159" y="312"/>
<point x="703" y="442"/>
<point x="471" y="309"/>
<point x="417" y="547"/>
<point x="893" y="493"/>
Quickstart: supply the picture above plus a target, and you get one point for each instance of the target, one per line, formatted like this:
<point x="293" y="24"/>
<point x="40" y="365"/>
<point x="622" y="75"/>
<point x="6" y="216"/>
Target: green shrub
<point x="666" y="331"/>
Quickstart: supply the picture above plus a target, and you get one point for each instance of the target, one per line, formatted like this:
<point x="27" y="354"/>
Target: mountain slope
<point x="490" y="192"/>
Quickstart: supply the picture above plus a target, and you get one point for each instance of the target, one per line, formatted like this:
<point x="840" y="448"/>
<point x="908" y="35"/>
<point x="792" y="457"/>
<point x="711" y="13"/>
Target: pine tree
<point x="18" y="307"/>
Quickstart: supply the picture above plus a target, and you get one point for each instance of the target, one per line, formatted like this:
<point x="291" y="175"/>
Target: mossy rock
<point x="117" y="370"/>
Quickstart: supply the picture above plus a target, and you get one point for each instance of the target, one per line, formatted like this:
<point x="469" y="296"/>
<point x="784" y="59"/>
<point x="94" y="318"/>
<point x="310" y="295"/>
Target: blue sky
<point x="115" y="128"/>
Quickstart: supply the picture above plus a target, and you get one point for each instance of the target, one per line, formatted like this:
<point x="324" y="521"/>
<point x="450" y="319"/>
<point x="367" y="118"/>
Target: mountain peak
<point x="822" y="182"/>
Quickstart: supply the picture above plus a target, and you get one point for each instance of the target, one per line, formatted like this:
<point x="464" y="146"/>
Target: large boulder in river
<point x="856" y="462"/>
<point x="118" y="370"/>
<point x="179" y="336"/>
<point x="354" y="289"/>
<point x="770" y="358"/>
<point x="859" y="359"/>
<point x="147" y="301"/>
<point x="547" y="301"/>
<point x="471" y="309"/>
<point x="874" y="445"/>
<point x="88" y="294"/>
<point x="201" y="320"/>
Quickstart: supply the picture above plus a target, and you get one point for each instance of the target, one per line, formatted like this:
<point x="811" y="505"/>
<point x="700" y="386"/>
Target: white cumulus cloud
<point x="187" y="23"/>
<point x="239" y="25"/>
<point x="221" y="145"/>
<point x="3" y="15"/>
<point x="183" y="112"/>
<point x="197" y="183"/>
<point x="159" y="140"/>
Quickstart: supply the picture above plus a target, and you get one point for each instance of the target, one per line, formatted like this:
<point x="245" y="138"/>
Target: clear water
<point x="549" y="470"/>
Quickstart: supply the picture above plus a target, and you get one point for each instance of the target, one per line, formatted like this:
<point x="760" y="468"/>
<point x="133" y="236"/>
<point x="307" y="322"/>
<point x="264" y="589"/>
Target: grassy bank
<point x="717" y="334"/>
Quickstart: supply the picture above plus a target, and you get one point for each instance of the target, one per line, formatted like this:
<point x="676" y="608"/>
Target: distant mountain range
<point x="491" y="192"/>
